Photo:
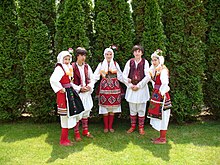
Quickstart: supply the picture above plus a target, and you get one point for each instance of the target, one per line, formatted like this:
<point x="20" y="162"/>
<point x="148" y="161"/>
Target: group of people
<point x="73" y="83"/>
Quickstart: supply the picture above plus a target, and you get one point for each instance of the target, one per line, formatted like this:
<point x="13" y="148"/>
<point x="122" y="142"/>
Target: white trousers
<point x="137" y="108"/>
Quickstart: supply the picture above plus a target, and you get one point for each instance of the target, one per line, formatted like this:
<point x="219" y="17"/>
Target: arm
<point x="125" y="75"/>
<point x="119" y="73"/>
<point x="55" y="79"/>
<point x="164" y="88"/>
<point x="96" y="75"/>
<point x="92" y="83"/>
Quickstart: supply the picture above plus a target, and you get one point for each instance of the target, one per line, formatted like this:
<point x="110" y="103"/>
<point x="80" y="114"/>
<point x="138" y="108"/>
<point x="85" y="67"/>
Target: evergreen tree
<point x="34" y="47"/>
<point x="138" y="15"/>
<point x="113" y="25"/>
<point x="11" y="93"/>
<point x="185" y="29"/>
<point x="71" y="28"/>
<point x="153" y="34"/>
<point x="211" y="86"/>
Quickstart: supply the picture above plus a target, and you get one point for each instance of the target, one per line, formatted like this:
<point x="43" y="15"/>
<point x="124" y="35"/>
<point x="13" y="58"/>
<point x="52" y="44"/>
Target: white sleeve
<point x="55" y="79"/>
<point x="164" y="88"/>
<point x="119" y="73"/>
<point x="90" y="74"/>
<point x="125" y="74"/>
<point x="75" y="87"/>
<point x="96" y="75"/>
<point x="147" y="77"/>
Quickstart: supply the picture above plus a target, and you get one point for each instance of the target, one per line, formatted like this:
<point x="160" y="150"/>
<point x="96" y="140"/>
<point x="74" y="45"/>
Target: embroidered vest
<point x="76" y="74"/>
<point x="136" y="74"/>
<point x="65" y="79"/>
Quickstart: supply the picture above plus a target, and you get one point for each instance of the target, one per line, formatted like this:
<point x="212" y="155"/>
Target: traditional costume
<point x="69" y="104"/>
<point x="160" y="103"/>
<point x="82" y="76"/>
<point x="109" y="90"/>
<point x="137" y="73"/>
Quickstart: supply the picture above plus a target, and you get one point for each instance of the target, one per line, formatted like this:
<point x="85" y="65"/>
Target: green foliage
<point x="71" y="28"/>
<point x="153" y="35"/>
<point x="185" y="29"/>
<point x="34" y="47"/>
<point x="211" y="85"/>
<point x="113" y="25"/>
<point x="11" y="92"/>
<point x="138" y="15"/>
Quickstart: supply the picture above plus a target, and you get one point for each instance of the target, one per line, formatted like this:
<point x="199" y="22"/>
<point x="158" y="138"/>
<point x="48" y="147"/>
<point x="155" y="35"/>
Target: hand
<point x="134" y="88"/>
<point x="84" y="89"/>
<point x="88" y="88"/>
<point x="63" y="90"/>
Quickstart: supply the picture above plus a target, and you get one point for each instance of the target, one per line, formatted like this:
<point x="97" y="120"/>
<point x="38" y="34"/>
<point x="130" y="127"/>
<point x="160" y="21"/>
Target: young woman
<point x="70" y="107"/>
<point x="109" y="91"/>
<point x="160" y="104"/>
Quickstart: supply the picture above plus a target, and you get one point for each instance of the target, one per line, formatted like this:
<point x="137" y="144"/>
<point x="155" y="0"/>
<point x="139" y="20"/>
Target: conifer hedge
<point x="153" y="35"/>
<point x="113" y="25"/>
<point x="212" y="71"/>
<point x="185" y="29"/>
<point x="70" y="26"/>
<point x="11" y="93"/>
<point x="34" y="47"/>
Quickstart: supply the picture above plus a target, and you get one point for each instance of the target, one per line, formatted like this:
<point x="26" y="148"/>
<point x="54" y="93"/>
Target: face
<point x="137" y="54"/>
<point x="66" y="60"/>
<point x="155" y="61"/>
<point x="81" y="58"/>
<point x="108" y="56"/>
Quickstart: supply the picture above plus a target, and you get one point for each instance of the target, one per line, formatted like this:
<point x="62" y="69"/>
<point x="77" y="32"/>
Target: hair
<point x="138" y="47"/>
<point x="80" y="50"/>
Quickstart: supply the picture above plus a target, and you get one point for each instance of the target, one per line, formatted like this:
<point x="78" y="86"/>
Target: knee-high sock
<point x="76" y="131"/>
<point x="141" y="122"/>
<point x="105" y="120"/>
<point x="85" y="126"/>
<point x="64" y="136"/>
<point x="163" y="134"/>
<point x="111" y="120"/>
<point x="133" y="121"/>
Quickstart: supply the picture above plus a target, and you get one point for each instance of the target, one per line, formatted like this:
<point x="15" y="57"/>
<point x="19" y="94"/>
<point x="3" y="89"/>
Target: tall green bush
<point x="71" y="27"/>
<point x="153" y="35"/>
<point x="138" y="15"/>
<point x="11" y="93"/>
<point x="113" y="25"/>
<point x="34" y="47"/>
<point x="211" y="85"/>
<point x="185" y="29"/>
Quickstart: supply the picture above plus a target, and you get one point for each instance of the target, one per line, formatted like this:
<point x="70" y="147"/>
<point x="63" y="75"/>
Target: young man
<point x="136" y="76"/>
<point x="82" y="76"/>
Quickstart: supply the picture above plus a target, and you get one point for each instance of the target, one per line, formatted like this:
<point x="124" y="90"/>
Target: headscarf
<point x="67" y="68"/>
<point x="105" y="66"/>
<point x="161" y="62"/>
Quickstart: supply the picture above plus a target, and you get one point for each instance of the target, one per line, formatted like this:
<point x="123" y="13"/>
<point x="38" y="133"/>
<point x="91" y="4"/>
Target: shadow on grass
<point x="201" y="134"/>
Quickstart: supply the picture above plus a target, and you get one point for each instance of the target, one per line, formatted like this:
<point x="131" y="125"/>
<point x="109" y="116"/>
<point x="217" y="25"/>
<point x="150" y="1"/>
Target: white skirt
<point x="105" y="110"/>
<point x="159" y="124"/>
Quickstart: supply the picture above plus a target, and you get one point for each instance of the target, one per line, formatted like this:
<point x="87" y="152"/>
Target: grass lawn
<point x="28" y="143"/>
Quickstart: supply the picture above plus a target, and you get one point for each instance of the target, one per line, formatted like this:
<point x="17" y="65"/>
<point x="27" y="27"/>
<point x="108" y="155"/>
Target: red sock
<point x="133" y="121"/>
<point x="85" y="126"/>
<point x="64" y="136"/>
<point x="111" y="120"/>
<point x="141" y="122"/>
<point x="105" y="119"/>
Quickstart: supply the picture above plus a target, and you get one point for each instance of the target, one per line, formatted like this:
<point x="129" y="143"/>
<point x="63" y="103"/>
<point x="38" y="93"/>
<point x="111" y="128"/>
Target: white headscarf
<point x="105" y="67"/>
<point x="67" y="68"/>
<point x="161" y="61"/>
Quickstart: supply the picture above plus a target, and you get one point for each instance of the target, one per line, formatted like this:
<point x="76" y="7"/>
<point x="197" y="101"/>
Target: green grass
<point x="28" y="143"/>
